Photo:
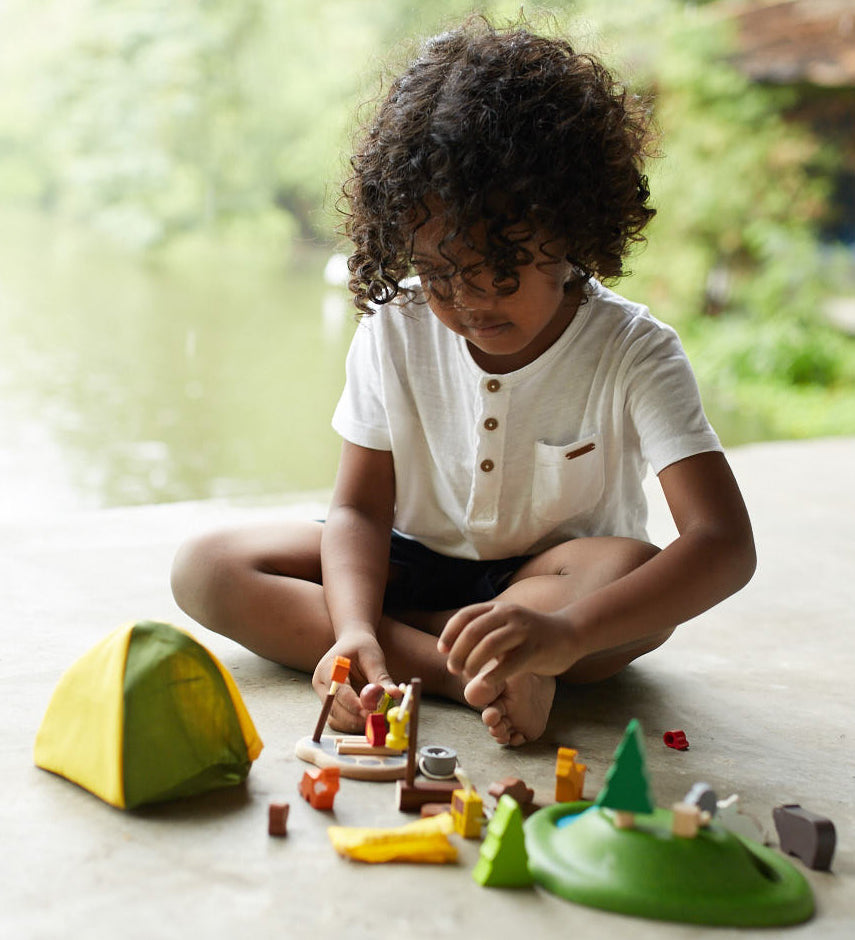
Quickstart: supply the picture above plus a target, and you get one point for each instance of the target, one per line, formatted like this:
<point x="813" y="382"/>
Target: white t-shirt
<point x="489" y="466"/>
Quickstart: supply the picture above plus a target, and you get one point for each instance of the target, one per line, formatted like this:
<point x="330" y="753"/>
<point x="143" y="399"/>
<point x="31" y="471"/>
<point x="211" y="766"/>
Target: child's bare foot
<point x="514" y="710"/>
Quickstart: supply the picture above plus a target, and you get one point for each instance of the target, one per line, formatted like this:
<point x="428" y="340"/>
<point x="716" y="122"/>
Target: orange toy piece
<point x="569" y="776"/>
<point x="340" y="669"/>
<point x="319" y="786"/>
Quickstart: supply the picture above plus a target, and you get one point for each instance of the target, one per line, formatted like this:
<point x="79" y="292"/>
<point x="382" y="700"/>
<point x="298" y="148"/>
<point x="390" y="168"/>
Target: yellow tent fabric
<point x="148" y="714"/>
<point x="82" y="730"/>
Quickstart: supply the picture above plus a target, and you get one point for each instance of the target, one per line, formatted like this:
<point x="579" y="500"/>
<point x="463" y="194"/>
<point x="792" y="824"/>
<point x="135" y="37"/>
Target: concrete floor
<point x="763" y="687"/>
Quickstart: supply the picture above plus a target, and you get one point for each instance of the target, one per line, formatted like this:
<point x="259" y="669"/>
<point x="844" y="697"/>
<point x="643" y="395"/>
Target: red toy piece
<point x="375" y="729"/>
<point x="319" y="786"/>
<point x="676" y="739"/>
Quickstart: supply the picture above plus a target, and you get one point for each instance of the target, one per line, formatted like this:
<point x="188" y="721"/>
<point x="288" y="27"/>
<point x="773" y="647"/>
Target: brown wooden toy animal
<point x="806" y="835"/>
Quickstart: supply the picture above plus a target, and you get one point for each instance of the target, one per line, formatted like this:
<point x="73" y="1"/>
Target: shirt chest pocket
<point x="568" y="479"/>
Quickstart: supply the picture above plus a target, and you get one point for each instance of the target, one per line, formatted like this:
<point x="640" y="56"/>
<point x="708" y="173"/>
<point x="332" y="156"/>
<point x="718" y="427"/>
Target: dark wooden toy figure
<point x="806" y="835"/>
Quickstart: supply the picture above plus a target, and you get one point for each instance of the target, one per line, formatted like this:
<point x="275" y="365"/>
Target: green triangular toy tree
<point x="627" y="789"/>
<point x="503" y="862"/>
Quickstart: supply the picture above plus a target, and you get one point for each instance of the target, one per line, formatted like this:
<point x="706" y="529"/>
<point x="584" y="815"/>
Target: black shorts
<point x="423" y="579"/>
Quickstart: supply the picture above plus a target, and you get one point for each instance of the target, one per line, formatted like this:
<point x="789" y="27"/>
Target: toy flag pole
<point x="415" y="689"/>
<point x="339" y="674"/>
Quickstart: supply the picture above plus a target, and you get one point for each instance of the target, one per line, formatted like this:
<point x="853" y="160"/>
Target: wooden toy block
<point x="277" y="822"/>
<point x="319" y="786"/>
<point x="467" y="811"/>
<point x="512" y="787"/>
<point x="371" y="766"/>
<point x="433" y="809"/>
<point x="807" y="835"/>
<point x="358" y="744"/>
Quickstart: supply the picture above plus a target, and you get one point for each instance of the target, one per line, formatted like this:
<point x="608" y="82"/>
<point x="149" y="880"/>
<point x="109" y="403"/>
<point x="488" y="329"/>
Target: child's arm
<point x="355" y="566"/>
<point x="712" y="558"/>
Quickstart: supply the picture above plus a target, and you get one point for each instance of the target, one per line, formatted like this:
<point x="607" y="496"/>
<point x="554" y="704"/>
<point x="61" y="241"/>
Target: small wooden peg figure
<point x="688" y="818"/>
<point x="339" y="675"/>
<point x="399" y="719"/>
<point x="375" y="729"/>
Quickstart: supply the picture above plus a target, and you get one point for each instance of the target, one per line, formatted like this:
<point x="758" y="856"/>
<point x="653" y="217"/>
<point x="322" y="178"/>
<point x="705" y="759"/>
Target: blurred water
<point x="129" y="382"/>
<point x="124" y="382"/>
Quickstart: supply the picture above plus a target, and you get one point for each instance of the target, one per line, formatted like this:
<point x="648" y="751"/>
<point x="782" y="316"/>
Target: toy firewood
<point x="339" y="674"/>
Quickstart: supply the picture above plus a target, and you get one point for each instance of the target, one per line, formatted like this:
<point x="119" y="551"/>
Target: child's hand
<point x="504" y="639"/>
<point x="367" y="672"/>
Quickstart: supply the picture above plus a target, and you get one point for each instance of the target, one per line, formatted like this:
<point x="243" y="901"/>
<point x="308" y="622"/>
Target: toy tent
<point x="147" y="715"/>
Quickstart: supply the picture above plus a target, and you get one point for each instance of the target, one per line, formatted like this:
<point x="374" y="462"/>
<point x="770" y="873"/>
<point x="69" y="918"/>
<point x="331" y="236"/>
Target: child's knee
<point x="201" y="566"/>
<point x="633" y="553"/>
<point x="603" y="559"/>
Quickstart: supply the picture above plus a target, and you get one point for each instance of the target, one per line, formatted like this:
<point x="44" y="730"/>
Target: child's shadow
<point x="582" y="713"/>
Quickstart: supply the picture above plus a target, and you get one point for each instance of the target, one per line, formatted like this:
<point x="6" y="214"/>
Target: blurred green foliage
<point x="168" y="123"/>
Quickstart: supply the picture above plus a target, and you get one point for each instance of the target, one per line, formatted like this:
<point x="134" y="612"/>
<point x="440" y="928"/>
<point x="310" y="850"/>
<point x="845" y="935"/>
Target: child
<point x="487" y="526"/>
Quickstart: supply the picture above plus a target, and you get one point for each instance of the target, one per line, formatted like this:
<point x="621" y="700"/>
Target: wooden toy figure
<point x="399" y="719"/>
<point x="687" y="819"/>
<point x="807" y="835"/>
<point x="375" y="729"/>
<point x="569" y="776"/>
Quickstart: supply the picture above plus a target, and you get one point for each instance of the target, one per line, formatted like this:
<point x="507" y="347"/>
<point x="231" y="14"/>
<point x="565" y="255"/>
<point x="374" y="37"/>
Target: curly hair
<point x="506" y="130"/>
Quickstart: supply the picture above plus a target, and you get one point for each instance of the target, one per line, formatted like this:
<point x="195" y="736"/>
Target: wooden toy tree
<point x="503" y="861"/>
<point x="626" y="789"/>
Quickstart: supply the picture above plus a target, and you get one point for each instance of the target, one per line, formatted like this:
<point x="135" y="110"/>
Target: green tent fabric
<point x="147" y="715"/>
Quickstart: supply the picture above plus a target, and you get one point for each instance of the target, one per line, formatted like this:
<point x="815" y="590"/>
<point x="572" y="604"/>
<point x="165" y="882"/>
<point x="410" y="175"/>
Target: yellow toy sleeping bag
<point x="147" y="715"/>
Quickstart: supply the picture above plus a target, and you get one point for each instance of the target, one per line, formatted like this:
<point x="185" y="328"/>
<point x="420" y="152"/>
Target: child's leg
<point x="517" y="710"/>
<point x="261" y="587"/>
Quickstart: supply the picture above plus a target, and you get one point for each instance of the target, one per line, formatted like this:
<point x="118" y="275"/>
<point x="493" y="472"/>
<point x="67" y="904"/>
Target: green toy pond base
<point x="716" y="878"/>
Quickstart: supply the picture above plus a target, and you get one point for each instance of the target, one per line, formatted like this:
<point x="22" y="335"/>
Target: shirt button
<point x="494" y="385"/>
<point x="491" y="424"/>
<point x="487" y="465"/>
